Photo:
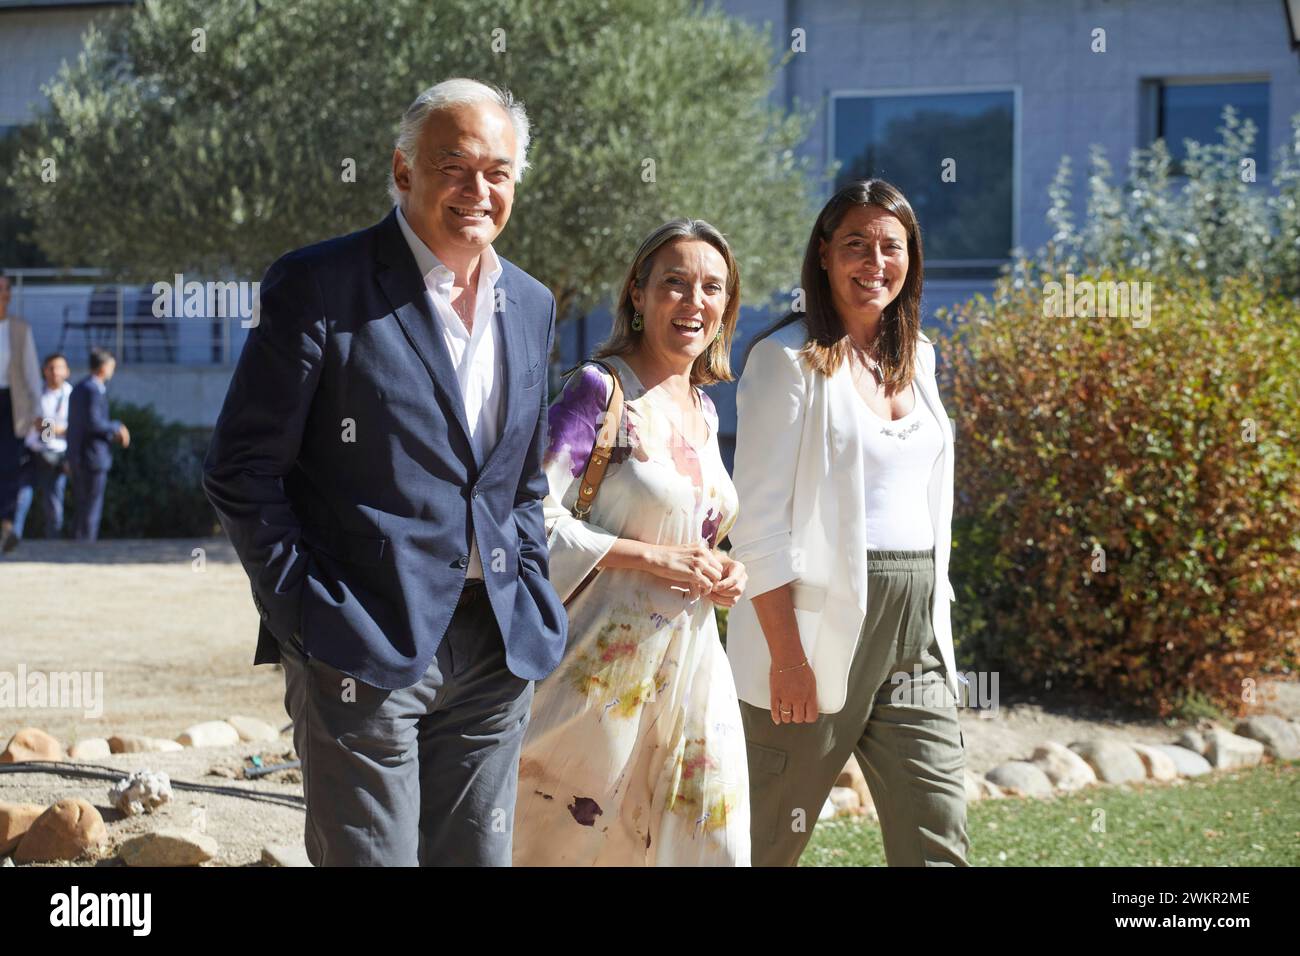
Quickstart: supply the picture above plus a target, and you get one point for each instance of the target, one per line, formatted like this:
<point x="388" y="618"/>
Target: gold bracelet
<point x="782" y="670"/>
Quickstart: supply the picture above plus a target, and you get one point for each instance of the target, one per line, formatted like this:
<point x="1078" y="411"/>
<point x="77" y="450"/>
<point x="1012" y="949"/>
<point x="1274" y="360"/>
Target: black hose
<point x="96" y="771"/>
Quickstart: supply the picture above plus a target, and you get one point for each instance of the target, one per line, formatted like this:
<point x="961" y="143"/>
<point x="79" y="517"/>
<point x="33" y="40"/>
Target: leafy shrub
<point x="1082" y="439"/>
<point x="155" y="488"/>
<point x="1216" y="221"/>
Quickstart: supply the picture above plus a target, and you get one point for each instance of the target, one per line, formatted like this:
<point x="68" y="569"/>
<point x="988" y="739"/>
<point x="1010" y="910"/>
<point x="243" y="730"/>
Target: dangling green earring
<point x="718" y="337"/>
<point x="637" y="324"/>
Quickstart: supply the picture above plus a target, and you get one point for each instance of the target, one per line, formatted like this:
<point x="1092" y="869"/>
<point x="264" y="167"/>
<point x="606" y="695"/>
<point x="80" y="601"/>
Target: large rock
<point x="851" y="777"/>
<point x="252" y="730"/>
<point x="979" y="788"/>
<point x="1112" y="760"/>
<point x="1159" y="765"/>
<point x="92" y="748"/>
<point x="1192" y="740"/>
<point x="1021" y="778"/>
<point x="64" y="831"/>
<point x="15" y="820"/>
<point x="1188" y="763"/>
<point x="276" y="854"/>
<point x="168" y="847"/>
<point x="135" y="744"/>
<point x="211" y="733"/>
<point x="32" y="743"/>
<point x="1227" y="751"/>
<point x="1277" y="735"/>
<point x="1065" y="768"/>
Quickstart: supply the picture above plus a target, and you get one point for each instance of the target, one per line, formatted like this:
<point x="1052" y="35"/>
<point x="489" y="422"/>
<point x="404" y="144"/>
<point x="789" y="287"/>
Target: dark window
<point x="905" y="140"/>
<point x="1195" y="111"/>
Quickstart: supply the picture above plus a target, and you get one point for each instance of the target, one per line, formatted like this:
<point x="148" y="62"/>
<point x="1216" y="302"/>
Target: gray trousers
<point x="425" y="775"/>
<point x="900" y="722"/>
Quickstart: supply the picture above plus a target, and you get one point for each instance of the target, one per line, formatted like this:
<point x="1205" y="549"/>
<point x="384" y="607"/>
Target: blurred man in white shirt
<point x="47" y="445"/>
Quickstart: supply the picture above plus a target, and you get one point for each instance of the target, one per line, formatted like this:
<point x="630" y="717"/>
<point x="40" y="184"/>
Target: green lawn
<point x="1237" y="818"/>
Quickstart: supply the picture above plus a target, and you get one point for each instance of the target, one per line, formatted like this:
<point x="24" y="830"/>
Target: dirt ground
<point x="174" y="638"/>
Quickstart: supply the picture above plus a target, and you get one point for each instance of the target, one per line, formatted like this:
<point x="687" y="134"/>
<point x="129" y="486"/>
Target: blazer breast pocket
<point x="532" y="377"/>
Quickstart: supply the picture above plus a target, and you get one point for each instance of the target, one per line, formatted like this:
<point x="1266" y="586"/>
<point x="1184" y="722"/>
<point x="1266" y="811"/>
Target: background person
<point x="20" y="385"/>
<point x="45" y="473"/>
<point x="91" y="434"/>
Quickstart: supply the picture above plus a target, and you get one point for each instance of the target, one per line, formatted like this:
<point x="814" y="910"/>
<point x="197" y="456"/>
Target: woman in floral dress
<point x="635" y="753"/>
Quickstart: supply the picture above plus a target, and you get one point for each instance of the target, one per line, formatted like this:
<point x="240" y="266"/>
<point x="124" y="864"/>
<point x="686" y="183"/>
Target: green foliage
<point x="1196" y="706"/>
<point x="155" y="488"/>
<point x="1213" y="222"/>
<point x="1084" y="433"/>
<point x="215" y="163"/>
<point x="15" y="250"/>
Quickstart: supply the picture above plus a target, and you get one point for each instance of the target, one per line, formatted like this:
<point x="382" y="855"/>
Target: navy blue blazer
<point x="342" y="470"/>
<point x="90" y="430"/>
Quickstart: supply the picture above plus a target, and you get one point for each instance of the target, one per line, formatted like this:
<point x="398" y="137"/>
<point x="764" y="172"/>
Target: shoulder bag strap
<point x="606" y="438"/>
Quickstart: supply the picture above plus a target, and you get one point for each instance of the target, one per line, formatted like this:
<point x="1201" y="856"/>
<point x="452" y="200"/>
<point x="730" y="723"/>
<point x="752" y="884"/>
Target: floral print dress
<point x="634" y="753"/>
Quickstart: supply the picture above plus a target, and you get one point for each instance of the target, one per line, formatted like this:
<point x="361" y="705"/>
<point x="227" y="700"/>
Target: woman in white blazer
<point x="844" y="470"/>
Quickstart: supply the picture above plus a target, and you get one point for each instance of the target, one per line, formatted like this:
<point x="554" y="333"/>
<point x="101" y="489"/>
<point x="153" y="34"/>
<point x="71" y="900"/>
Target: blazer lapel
<point x="513" y="347"/>
<point x="926" y="386"/>
<point x="403" y="286"/>
<point x="843" y="438"/>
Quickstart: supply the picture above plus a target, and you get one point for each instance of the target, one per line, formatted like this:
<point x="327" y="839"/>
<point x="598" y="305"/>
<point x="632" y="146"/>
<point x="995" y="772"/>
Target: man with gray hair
<point x="377" y="465"/>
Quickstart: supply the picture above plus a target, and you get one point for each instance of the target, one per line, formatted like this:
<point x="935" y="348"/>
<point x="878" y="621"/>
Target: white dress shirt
<point x="53" y="407"/>
<point x="474" y="355"/>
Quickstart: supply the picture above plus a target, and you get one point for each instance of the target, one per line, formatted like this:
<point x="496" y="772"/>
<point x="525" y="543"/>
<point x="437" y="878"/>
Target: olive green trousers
<point x="899" y="720"/>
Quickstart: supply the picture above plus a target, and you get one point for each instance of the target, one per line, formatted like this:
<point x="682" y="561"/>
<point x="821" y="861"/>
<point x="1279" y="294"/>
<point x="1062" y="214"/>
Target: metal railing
<point x="72" y="310"/>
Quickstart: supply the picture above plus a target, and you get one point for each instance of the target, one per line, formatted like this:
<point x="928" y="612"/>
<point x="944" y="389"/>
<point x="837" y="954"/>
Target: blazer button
<point x="474" y="493"/>
<point x="463" y="561"/>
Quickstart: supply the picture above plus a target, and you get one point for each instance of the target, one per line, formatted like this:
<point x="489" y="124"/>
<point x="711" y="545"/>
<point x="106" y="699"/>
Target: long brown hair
<point x="714" y="363"/>
<point x="828" y="344"/>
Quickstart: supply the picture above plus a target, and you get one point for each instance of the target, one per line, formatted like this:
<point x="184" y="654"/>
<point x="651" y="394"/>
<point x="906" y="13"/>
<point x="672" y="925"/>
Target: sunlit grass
<point x="1236" y="818"/>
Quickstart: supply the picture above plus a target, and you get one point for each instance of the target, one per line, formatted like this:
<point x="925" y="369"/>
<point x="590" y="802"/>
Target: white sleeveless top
<point x="898" y="458"/>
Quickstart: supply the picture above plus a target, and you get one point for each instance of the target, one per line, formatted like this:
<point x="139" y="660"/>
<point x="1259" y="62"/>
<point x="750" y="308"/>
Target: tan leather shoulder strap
<point x="606" y="439"/>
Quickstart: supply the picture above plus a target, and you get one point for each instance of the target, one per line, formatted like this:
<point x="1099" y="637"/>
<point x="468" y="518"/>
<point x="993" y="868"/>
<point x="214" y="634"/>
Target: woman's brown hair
<point x="828" y="344"/>
<point x="714" y="363"/>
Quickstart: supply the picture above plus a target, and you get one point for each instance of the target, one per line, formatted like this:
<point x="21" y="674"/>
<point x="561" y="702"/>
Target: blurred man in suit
<point x="90" y="433"/>
<point x="20" y="385"/>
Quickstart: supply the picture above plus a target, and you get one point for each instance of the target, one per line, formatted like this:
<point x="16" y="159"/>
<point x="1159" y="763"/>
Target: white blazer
<point x="802" y="519"/>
